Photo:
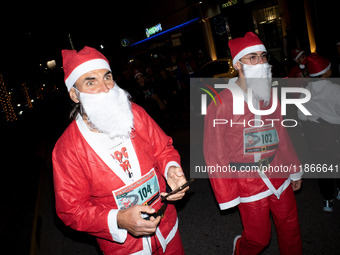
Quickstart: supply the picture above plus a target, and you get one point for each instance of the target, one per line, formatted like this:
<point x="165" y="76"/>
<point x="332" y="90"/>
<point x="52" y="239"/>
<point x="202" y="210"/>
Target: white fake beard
<point x="110" y="112"/>
<point x="259" y="80"/>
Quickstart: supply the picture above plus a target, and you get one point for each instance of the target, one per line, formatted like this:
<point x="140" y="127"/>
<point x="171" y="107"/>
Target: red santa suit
<point x="92" y="184"/>
<point x="241" y="143"/>
<point x="325" y="94"/>
<point x="296" y="72"/>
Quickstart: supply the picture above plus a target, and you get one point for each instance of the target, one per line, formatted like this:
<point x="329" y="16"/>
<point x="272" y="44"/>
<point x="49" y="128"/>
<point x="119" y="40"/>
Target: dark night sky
<point x="33" y="34"/>
<point x="30" y="36"/>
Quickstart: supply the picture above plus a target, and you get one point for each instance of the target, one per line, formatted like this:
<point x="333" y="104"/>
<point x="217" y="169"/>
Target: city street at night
<point x="203" y="227"/>
<point x="85" y="84"/>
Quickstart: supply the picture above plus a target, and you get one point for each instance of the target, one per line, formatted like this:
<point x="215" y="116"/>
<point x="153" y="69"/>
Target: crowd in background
<point x="160" y="85"/>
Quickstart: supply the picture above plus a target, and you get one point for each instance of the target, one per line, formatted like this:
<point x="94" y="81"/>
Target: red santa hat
<point x="317" y="65"/>
<point x="75" y="64"/>
<point x="242" y="46"/>
<point x="296" y="53"/>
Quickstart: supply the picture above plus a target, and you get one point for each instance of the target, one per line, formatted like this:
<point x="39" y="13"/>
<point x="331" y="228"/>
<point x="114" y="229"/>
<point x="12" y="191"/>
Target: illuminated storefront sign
<point x="229" y="3"/>
<point x="167" y="31"/>
<point x="153" y="30"/>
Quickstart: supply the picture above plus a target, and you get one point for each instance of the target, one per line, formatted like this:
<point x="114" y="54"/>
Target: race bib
<point x="260" y="139"/>
<point x="144" y="191"/>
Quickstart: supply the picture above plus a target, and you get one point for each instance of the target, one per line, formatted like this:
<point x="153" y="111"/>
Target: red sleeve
<point x="72" y="193"/>
<point x="216" y="151"/>
<point x="215" y="145"/>
<point x="295" y="72"/>
<point x="285" y="154"/>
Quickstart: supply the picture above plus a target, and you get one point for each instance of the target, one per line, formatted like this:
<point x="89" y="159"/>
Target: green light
<point x="153" y="30"/>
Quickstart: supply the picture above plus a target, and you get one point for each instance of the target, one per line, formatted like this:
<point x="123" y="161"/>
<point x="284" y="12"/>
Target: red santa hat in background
<point x="242" y="46"/>
<point x="317" y="65"/>
<point x="75" y="64"/>
<point x="296" y="53"/>
<point x="136" y="72"/>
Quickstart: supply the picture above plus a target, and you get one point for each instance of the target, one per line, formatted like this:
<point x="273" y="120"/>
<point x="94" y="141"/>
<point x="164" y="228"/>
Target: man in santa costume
<point x="254" y="142"/>
<point x="322" y="128"/>
<point x="299" y="70"/>
<point x="111" y="163"/>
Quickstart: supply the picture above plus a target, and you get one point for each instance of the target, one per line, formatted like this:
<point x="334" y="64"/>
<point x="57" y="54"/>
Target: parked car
<point x="219" y="68"/>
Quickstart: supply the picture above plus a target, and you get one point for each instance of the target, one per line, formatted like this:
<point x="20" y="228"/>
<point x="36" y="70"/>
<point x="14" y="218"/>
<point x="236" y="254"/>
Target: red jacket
<point x="296" y="72"/>
<point x="84" y="183"/>
<point x="225" y="143"/>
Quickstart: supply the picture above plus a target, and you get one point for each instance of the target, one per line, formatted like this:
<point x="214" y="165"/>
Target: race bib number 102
<point x="260" y="139"/>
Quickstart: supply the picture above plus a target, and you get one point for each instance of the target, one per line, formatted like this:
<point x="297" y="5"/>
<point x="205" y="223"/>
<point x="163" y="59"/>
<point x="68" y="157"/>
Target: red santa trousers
<point x="175" y="247"/>
<point x="257" y="226"/>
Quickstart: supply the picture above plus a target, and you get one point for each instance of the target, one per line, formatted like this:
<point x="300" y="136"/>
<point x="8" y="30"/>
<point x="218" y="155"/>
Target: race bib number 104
<point x="144" y="191"/>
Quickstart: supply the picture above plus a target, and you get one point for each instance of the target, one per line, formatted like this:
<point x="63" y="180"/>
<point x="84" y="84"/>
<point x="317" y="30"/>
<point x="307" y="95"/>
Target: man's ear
<point x="239" y="68"/>
<point x="73" y="95"/>
<point x="238" y="65"/>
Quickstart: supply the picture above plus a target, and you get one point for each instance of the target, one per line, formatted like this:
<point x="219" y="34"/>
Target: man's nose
<point x="106" y="86"/>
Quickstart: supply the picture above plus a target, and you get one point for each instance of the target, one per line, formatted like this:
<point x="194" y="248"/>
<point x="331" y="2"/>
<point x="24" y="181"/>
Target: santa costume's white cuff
<point x="296" y="176"/>
<point x="171" y="163"/>
<point x="118" y="235"/>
